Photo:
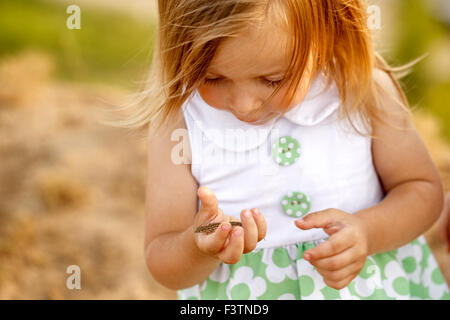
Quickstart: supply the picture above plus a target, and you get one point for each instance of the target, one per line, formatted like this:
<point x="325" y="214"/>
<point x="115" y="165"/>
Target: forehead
<point x="255" y="51"/>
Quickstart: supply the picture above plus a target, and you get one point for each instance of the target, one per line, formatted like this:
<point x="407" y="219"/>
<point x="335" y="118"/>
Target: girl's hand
<point x="341" y="258"/>
<point x="226" y="243"/>
<point x="444" y="223"/>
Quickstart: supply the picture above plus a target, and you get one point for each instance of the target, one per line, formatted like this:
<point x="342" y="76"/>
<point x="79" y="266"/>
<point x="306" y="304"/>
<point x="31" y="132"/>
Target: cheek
<point x="280" y="101"/>
<point x="211" y="96"/>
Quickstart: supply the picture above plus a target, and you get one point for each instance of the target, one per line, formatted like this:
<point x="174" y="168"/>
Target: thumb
<point x="209" y="207"/>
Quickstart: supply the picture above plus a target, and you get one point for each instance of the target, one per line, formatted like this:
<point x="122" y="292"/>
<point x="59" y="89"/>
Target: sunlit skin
<point x="245" y="72"/>
<point x="444" y="223"/>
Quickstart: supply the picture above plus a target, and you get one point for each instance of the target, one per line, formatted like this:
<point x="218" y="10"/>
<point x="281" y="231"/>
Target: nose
<point x="243" y="103"/>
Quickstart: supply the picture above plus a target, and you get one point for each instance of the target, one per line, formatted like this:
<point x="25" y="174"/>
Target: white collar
<point x="218" y="125"/>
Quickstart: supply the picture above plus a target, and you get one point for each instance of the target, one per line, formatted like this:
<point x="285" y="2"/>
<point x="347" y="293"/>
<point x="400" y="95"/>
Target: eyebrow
<point x="281" y="71"/>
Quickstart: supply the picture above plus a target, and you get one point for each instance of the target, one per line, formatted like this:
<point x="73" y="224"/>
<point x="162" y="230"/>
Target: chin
<point x="248" y="121"/>
<point x="258" y="121"/>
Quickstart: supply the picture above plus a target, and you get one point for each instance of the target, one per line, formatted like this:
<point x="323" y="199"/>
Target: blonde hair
<point x="333" y="33"/>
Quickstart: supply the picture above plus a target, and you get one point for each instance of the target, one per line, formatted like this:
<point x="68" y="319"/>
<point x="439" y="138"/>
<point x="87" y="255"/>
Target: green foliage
<point x="418" y="31"/>
<point x="438" y="100"/>
<point x="110" y="46"/>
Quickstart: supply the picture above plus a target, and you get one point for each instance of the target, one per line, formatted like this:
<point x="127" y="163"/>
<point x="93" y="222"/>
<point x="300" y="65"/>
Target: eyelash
<point x="269" y="83"/>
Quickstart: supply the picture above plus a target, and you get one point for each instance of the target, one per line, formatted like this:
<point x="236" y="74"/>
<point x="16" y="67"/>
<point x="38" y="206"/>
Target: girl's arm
<point x="171" y="254"/>
<point x="413" y="203"/>
<point x="175" y="255"/>
<point x="411" y="180"/>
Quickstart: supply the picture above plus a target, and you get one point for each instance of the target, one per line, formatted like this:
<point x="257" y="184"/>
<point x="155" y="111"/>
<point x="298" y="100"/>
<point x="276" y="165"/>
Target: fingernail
<point x="300" y="220"/>
<point x="307" y="256"/>
<point x="237" y="232"/>
<point x="247" y="214"/>
<point x="225" y="227"/>
<point x="256" y="211"/>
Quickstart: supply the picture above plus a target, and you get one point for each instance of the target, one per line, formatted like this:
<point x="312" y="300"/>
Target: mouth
<point x="261" y="121"/>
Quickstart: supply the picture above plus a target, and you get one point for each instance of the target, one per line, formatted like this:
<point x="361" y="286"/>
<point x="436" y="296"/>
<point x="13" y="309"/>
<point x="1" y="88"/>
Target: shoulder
<point x="389" y="86"/>
<point x="398" y="151"/>
<point x="168" y="179"/>
<point x="391" y="103"/>
<point x="384" y="79"/>
<point x="176" y="121"/>
<point x="161" y="140"/>
<point x="391" y="106"/>
<point x="168" y="154"/>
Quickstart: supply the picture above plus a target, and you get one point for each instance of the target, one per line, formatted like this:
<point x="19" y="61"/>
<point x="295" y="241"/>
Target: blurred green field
<point x="418" y="32"/>
<point x="114" y="47"/>
<point x="110" y="47"/>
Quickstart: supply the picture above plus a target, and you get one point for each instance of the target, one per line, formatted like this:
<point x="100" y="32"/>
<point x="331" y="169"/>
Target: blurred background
<point x="72" y="191"/>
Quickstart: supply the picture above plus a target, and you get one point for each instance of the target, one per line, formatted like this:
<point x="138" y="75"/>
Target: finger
<point x="209" y="205"/>
<point x="319" y="219"/>
<point x="338" y="261"/>
<point x="214" y="243"/>
<point x="335" y="244"/>
<point x="338" y="285"/>
<point x="260" y="223"/>
<point x="250" y="230"/>
<point x="444" y="223"/>
<point x="341" y="274"/>
<point x="444" y="229"/>
<point x="232" y="253"/>
<point x="444" y="232"/>
<point x="448" y="238"/>
<point x="447" y="241"/>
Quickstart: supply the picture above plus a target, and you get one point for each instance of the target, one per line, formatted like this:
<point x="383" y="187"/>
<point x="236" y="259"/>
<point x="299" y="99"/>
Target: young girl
<point x="280" y="115"/>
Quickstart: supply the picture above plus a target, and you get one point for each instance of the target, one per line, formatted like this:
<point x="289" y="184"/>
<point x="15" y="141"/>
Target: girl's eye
<point x="212" y="82"/>
<point x="272" y="84"/>
<point x="217" y="81"/>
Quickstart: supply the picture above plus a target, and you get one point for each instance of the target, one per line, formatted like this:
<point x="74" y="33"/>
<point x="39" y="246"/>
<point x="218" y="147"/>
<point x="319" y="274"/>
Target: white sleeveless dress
<point x="304" y="162"/>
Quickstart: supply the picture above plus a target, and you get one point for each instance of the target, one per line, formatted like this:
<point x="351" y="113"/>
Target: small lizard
<point x="210" y="228"/>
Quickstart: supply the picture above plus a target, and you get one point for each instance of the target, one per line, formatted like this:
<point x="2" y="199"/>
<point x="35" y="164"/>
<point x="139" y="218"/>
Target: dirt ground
<point x="72" y="190"/>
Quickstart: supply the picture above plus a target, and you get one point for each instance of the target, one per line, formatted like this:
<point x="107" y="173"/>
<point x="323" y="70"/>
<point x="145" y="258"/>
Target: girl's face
<point x="245" y="72"/>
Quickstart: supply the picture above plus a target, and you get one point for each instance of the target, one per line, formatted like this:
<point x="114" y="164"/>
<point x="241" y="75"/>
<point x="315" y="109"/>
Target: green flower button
<point x="286" y="151"/>
<point x="296" y="204"/>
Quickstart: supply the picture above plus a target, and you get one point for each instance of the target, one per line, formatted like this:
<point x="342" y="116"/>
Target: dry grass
<point x="23" y="77"/>
<point x="58" y="190"/>
<point x="71" y="192"/>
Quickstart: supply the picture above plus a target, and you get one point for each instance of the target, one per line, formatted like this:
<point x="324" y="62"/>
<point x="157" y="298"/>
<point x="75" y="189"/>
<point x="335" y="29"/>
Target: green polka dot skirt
<point x="409" y="272"/>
